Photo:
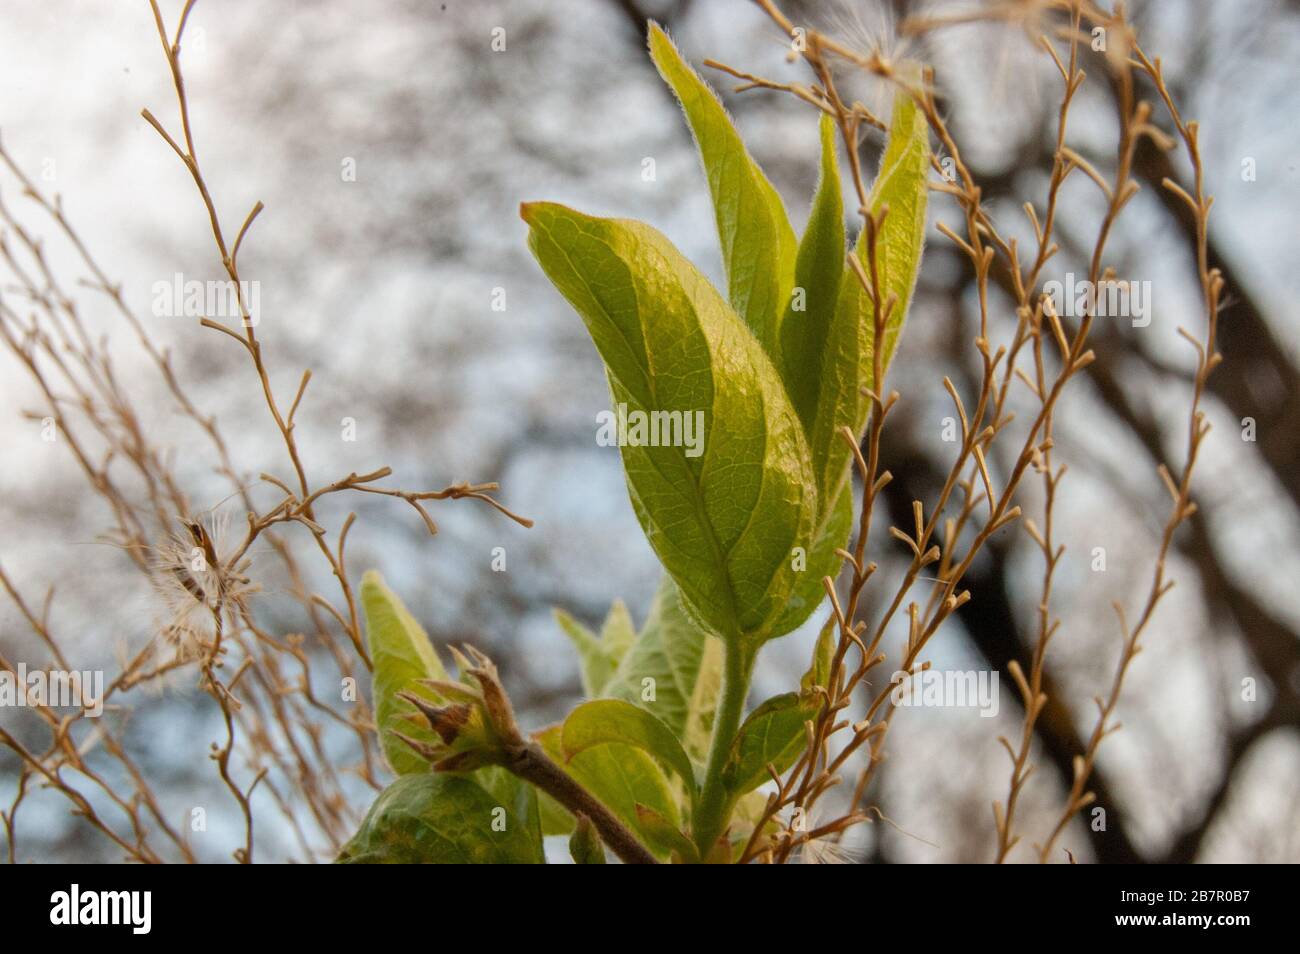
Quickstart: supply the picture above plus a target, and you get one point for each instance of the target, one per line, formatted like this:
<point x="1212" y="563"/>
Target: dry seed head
<point x="192" y="581"/>
<point x="872" y="32"/>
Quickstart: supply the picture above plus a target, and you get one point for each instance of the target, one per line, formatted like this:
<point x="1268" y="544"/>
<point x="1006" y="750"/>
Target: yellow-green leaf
<point x="584" y="845"/>
<point x="442" y="819"/>
<point x="673" y="670"/>
<point x="665" y="836"/>
<point x="773" y="734"/>
<point x="599" y="656"/>
<point x="900" y="185"/>
<point x="819" y="562"/>
<point x="402" y="656"/>
<point x="758" y="244"/>
<point x="620" y="776"/>
<point x="823" y="658"/>
<point x="723" y="514"/>
<point x="819" y="270"/>
<point x="606" y="721"/>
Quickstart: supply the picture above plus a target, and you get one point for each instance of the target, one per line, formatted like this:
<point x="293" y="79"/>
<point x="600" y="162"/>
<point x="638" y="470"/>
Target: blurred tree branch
<point x="639" y="14"/>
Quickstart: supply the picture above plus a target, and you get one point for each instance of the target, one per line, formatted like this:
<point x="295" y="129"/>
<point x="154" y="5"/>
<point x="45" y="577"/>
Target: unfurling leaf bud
<point x="475" y="721"/>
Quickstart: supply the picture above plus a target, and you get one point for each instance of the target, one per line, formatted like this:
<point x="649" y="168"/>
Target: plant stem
<point x="711" y="812"/>
<point x="531" y="764"/>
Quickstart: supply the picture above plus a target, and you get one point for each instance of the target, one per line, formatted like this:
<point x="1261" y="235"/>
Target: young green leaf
<point x="822" y="347"/>
<point x="819" y="671"/>
<point x="605" y="721"/>
<point x="402" y="656"/>
<point x="749" y="811"/>
<point x="773" y="734"/>
<point x="758" y="244"/>
<point x="722" y="522"/>
<point x="847" y="367"/>
<point x="620" y="776"/>
<point x="599" y="656"/>
<point x="821" y="561"/>
<point x="819" y="270"/>
<point x="512" y="792"/>
<point x="900" y="185"/>
<point x="665" y="836"/>
<point x="442" y="819"/>
<point x="833" y="369"/>
<point x="673" y="670"/>
<point x="556" y="819"/>
<point x="584" y="845"/>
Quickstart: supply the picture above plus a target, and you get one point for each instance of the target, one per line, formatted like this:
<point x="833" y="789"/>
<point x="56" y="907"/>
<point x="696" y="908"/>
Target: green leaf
<point x="748" y="811"/>
<point x="900" y="185"/>
<point x="758" y="244"/>
<point x="585" y="846"/>
<point x="819" y="671"/>
<point x="599" y="656"/>
<point x="674" y="670"/>
<point x="515" y="794"/>
<point x="665" y="836"/>
<point x="606" y="721"/>
<point x="402" y="656"/>
<point x="823" y="347"/>
<point x="724" y="522"/>
<point x="847" y="368"/>
<point x="442" y="819"/>
<point x="556" y="819"/>
<point x="620" y="776"/>
<point x="821" y="561"/>
<point x="772" y="734"/>
<point x="818" y="274"/>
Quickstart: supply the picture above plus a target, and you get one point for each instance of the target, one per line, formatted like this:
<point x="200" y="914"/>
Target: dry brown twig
<point x="273" y="723"/>
<point x="275" y="720"/>
<point x="816" y="771"/>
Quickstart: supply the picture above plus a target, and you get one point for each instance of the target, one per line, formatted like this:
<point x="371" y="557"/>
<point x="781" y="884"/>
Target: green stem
<point x="711" y="811"/>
